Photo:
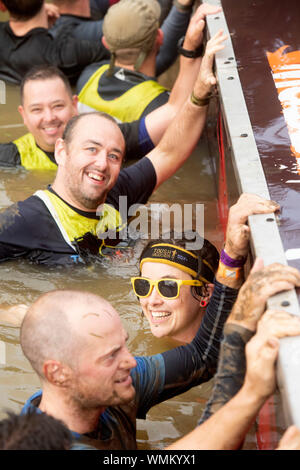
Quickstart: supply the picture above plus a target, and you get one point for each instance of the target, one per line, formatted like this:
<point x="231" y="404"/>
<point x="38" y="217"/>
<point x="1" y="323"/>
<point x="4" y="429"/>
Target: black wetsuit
<point x="19" y="53"/>
<point x="28" y="229"/>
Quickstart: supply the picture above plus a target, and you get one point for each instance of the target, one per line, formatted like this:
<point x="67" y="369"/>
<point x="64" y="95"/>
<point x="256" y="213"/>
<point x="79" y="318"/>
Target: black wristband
<point x="190" y="54"/>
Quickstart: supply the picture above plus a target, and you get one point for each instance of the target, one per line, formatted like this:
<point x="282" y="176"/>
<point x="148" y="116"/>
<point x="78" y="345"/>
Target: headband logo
<point x="164" y="253"/>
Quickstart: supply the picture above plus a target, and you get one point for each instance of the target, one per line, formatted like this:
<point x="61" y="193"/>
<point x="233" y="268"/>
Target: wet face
<point x="177" y="318"/>
<point x="101" y="376"/>
<point x="90" y="164"/>
<point x="47" y="107"/>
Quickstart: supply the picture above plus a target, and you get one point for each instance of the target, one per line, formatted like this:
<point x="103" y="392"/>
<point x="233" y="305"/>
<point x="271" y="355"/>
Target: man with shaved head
<point x="76" y="343"/>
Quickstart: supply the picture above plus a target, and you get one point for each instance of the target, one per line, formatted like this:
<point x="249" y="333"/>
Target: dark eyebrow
<point x="164" y="277"/>
<point x="173" y="276"/>
<point x="41" y="104"/>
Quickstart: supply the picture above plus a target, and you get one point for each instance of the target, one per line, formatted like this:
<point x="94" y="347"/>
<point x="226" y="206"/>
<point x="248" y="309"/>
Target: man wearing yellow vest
<point x="126" y="88"/>
<point x="82" y="213"/>
<point x="47" y="104"/>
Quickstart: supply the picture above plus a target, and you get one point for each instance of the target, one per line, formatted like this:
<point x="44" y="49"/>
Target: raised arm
<point x="240" y="327"/>
<point x="158" y="120"/>
<point x="251" y="301"/>
<point x="185" y="130"/>
<point x="236" y="247"/>
<point x="175" y="27"/>
<point x="227" y="428"/>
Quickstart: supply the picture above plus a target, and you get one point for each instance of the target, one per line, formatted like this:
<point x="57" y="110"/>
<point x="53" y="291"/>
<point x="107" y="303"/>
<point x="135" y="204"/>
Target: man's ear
<point x="104" y="42"/>
<point x="56" y="373"/>
<point x="160" y="37"/>
<point x="75" y="104"/>
<point x="21" y="111"/>
<point x="60" y="151"/>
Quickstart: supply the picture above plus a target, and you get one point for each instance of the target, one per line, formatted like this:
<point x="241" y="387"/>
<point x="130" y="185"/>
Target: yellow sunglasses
<point x="167" y="288"/>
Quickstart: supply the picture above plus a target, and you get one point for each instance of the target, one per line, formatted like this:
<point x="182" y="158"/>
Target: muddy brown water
<point x="23" y="283"/>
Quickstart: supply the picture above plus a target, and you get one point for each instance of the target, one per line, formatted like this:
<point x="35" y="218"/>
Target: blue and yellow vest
<point x="32" y="157"/>
<point x="126" y="108"/>
<point x="73" y="225"/>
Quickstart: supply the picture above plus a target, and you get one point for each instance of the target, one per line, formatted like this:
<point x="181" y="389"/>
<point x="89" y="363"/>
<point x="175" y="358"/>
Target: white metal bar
<point x="265" y="238"/>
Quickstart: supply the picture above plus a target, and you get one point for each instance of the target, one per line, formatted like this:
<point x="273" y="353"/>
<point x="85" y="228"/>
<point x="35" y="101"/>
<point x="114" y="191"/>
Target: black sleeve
<point x="231" y="368"/>
<point x="9" y="155"/>
<point x="27" y="230"/>
<point x="196" y="362"/>
<point x="130" y="131"/>
<point x="73" y="55"/>
<point x="137" y="138"/>
<point x="13" y="234"/>
<point x="136" y="182"/>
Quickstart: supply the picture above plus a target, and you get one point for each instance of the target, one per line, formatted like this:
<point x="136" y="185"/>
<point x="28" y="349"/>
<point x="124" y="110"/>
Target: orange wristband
<point x="228" y="272"/>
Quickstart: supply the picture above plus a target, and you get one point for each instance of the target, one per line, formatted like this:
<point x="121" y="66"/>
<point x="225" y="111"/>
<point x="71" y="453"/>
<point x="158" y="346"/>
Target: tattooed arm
<point x="227" y="428"/>
<point x="259" y="286"/>
<point x="240" y="327"/>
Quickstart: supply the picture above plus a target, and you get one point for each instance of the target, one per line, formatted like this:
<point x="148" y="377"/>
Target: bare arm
<point x="259" y="286"/>
<point x="228" y="426"/>
<point x="158" y="121"/>
<point x="185" y="130"/>
<point x="241" y="325"/>
<point x="238" y="233"/>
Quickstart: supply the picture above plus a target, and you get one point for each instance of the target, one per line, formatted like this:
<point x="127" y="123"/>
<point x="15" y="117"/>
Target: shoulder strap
<point x="43" y="196"/>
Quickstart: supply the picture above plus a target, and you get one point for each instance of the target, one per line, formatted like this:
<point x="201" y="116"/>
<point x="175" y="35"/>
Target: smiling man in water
<point x="71" y="225"/>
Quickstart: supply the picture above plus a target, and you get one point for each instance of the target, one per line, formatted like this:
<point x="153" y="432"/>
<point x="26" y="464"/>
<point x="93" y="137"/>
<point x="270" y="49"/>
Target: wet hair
<point x="23" y="10"/>
<point x="208" y="252"/>
<point x="44" y="72"/>
<point x="72" y="123"/>
<point x="33" y="431"/>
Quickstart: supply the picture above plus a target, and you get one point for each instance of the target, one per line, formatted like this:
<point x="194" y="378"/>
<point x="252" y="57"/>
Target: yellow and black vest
<point x="32" y="157"/>
<point x="126" y="108"/>
<point x="77" y="229"/>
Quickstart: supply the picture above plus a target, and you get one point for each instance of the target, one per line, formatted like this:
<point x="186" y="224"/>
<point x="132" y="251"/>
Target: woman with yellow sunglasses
<point x="175" y="286"/>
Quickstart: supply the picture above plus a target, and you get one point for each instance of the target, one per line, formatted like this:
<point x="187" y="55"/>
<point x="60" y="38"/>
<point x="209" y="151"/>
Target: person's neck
<point x="46" y="148"/>
<point x="62" y="192"/>
<point x="147" y="67"/>
<point x="80" y="8"/>
<point x="20" y="28"/>
<point x="188" y="334"/>
<point x="61" y="407"/>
